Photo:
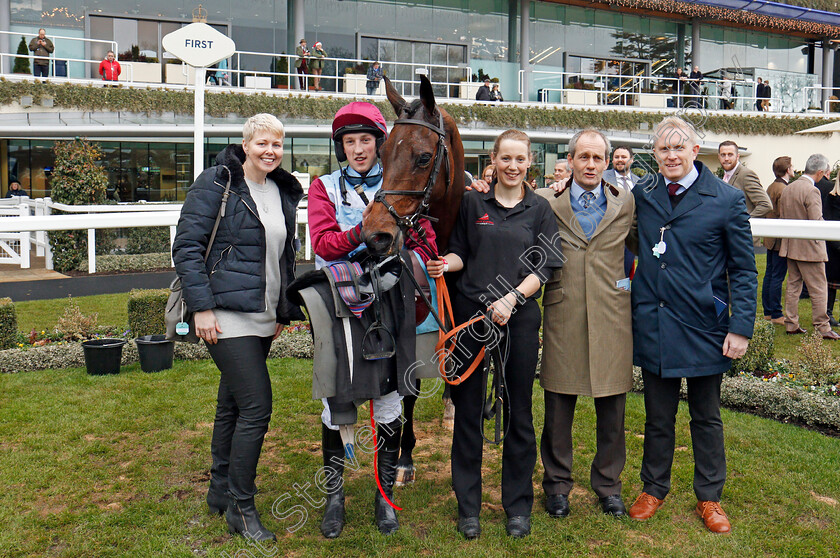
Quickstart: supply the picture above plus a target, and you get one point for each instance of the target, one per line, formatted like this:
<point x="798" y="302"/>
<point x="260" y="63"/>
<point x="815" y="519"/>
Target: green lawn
<point x="786" y="344"/>
<point x="118" y="466"/>
<point x="42" y="315"/>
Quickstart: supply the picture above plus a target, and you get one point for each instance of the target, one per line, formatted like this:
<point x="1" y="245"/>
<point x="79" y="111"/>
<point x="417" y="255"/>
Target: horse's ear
<point x="427" y="95"/>
<point x="396" y="100"/>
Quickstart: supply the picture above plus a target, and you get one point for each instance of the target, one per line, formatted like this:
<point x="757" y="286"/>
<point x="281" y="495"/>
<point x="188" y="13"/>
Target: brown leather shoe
<point x="831" y="335"/>
<point x="778" y="321"/>
<point x="645" y="506"/>
<point x="713" y="516"/>
<point x="797" y="331"/>
<point x="767" y="318"/>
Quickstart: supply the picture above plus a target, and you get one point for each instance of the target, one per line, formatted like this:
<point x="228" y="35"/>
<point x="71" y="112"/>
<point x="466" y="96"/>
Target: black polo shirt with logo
<point x="501" y="246"/>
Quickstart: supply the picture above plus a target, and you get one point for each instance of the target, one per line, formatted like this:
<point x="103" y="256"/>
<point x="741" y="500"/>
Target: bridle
<point x="412" y="222"/>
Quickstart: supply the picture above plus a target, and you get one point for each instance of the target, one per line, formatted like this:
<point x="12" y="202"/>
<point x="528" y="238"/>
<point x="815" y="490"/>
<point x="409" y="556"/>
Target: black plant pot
<point x="103" y="356"/>
<point x="156" y="353"/>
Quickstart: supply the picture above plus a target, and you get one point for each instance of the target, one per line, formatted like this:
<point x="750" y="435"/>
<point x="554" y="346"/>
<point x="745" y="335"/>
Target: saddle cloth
<point x="340" y="372"/>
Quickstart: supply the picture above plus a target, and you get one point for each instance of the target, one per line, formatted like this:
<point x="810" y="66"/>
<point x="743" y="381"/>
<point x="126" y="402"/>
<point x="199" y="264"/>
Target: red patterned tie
<point x="672" y="188"/>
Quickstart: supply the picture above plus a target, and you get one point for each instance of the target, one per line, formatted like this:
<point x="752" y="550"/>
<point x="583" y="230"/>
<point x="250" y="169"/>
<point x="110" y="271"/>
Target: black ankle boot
<point x="389" y="450"/>
<point x="217" y="500"/>
<point x="242" y="518"/>
<point x="333" y="520"/>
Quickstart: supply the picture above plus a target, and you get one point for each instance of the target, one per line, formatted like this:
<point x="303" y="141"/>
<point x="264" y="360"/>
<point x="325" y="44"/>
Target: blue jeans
<point x="41" y="70"/>
<point x="771" y="288"/>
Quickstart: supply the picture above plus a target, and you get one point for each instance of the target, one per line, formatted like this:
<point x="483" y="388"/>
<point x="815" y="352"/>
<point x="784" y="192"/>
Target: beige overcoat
<point x="587" y="328"/>
<point x="801" y="200"/>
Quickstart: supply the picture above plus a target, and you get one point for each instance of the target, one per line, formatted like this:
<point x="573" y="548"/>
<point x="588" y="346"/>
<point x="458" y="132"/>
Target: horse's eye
<point x="424" y="159"/>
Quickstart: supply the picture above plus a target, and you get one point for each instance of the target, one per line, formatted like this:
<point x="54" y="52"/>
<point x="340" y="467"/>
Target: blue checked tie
<point x="586" y="199"/>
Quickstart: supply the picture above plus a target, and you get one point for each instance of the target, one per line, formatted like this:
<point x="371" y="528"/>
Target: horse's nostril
<point x="380" y="242"/>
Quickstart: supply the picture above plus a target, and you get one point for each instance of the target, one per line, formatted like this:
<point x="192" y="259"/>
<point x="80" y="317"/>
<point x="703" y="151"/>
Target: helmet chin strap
<point x="369" y="178"/>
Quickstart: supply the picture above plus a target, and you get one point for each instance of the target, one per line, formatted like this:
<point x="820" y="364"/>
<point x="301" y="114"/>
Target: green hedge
<point x="146" y="308"/>
<point x="760" y="351"/>
<point x="90" y="98"/>
<point x="129" y="262"/>
<point x="8" y="323"/>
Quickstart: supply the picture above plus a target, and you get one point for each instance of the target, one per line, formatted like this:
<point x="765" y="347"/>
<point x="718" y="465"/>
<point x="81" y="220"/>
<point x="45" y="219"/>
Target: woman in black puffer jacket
<point x="239" y="296"/>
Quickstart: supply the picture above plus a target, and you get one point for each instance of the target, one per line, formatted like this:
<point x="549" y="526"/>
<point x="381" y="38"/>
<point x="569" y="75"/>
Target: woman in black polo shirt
<point x="504" y="241"/>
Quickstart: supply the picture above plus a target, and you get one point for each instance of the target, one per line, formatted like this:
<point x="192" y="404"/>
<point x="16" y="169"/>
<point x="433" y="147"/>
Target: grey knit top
<point x="270" y="209"/>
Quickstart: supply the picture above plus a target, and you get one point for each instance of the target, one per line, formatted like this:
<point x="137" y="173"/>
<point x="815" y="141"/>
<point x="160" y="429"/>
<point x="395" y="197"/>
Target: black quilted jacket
<point x="234" y="275"/>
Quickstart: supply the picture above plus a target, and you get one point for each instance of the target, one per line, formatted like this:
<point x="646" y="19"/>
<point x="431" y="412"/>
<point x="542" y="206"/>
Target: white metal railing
<point x="814" y="93"/>
<point x="112" y="45"/>
<point x="33" y="218"/>
<point x="57" y="41"/>
<point x="84" y="62"/>
<point x="267" y="78"/>
<point x="25" y="224"/>
<point x="14" y="246"/>
<point x="337" y="68"/>
<point x="582" y="88"/>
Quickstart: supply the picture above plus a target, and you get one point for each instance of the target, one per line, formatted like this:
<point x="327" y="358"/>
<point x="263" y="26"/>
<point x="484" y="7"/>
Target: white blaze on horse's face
<point x="512" y="162"/>
<point x="264" y="152"/>
<point x="360" y="149"/>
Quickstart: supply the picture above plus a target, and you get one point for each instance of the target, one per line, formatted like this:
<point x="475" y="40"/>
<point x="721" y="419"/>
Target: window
<point x="412" y="55"/>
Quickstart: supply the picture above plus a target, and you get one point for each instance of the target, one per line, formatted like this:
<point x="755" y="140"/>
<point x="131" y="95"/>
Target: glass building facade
<point x="477" y="36"/>
<point x="471" y="33"/>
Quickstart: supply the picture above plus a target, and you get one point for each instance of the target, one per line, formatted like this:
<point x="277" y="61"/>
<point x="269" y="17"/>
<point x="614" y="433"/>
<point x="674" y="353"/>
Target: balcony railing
<point x="653" y="92"/>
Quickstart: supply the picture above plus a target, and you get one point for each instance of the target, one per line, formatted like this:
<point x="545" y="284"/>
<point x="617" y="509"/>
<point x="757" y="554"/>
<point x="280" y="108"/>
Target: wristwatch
<point x="519" y="298"/>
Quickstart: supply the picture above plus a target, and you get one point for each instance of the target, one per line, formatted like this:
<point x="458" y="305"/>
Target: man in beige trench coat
<point x="587" y="328"/>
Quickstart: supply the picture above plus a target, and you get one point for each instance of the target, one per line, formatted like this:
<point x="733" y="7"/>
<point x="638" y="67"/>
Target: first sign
<point x="199" y="45"/>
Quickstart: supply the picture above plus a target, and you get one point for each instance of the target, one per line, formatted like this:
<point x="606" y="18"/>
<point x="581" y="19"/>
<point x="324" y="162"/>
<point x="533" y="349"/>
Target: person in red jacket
<point x="109" y="68"/>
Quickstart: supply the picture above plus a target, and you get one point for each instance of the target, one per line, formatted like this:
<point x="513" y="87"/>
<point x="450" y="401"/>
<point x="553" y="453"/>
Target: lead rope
<point x="445" y="309"/>
<point x="375" y="460"/>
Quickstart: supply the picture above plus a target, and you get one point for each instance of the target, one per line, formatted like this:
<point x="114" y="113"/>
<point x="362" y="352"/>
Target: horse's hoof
<point x="405" y="474"/>
<point x="448" y="414"/>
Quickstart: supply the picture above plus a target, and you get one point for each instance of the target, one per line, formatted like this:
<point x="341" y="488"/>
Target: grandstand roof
<point x="750" y="14"/>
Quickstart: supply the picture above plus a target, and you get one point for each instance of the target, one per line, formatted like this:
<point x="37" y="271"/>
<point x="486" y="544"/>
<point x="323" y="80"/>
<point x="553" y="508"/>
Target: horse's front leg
<point x="405" y="464"/>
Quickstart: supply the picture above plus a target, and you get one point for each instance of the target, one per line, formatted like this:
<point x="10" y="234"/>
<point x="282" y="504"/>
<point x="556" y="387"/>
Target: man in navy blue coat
<point x="694" y="303"/>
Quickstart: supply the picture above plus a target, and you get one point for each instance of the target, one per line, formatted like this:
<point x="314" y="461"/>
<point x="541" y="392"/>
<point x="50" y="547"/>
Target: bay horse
<point x="423" y="175"/>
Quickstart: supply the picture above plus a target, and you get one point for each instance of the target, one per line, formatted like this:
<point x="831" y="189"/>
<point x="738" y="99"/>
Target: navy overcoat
<point x="702" y="287"/>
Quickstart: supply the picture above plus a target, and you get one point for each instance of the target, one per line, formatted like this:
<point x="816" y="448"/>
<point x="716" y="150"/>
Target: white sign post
<point x="199" y="46"/>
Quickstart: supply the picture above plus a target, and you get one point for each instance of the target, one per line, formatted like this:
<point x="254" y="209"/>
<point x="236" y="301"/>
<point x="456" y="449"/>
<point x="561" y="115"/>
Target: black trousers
<point x="41" y="70"/>
<point x="243" y="410"/>
<point x="519" y="451"/>
<point x="661" y="398"/>
<point x="556" y="444"/>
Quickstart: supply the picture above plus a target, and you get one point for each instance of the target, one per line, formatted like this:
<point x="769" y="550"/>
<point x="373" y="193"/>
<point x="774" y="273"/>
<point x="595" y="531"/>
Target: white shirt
<point x="625" y="181"/>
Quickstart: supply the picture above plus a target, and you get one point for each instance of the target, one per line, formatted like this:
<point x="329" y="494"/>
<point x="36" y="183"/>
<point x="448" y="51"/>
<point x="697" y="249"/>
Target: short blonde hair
<point x="670" y="124"/>
<point x="262" y="122"/>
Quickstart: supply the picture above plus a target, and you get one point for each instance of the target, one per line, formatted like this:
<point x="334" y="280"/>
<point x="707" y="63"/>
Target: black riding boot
<point x="389" y="449"/>
<point x="333" y="449"/>
<point x="242" y="518"/>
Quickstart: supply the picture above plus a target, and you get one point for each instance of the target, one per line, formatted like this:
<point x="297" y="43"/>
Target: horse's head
<point x="418" y="168"/>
